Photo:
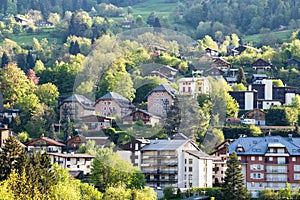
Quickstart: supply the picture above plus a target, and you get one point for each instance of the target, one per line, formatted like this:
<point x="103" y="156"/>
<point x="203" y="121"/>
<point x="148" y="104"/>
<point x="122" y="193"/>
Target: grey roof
<point x="160" y="145"/>
<point x="122" y="101"/>
<point x="168" y="67"/>
<point x="199" y="154"/>
<point x="163" y="88"/>
<point x="259" y="145"/>
<point x="85" y="102"/>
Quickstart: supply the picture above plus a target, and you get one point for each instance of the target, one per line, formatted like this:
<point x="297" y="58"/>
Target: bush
<point x="168" y="192"/>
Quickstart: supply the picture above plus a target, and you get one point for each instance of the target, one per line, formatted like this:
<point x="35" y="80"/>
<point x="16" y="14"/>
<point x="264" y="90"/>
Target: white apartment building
<point x="179" y="163"/>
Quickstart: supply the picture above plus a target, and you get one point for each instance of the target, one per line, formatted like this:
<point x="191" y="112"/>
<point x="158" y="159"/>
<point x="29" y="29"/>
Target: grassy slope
<point x="158" y="6"/>
<point x="26" y="39"/>
<point x="282" y="35"/>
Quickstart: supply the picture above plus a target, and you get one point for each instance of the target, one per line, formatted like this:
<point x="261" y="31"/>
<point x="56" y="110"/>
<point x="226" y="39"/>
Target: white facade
<point x="197" y="171"/>
<point x="184" y="166"/>
<point x="289" y="97"/>
<point x="268" y="104"/>
<point x="194" y="86"/>
<point x="249" y="99"/>
<point x="268" y="88"/>
<point x="73" y="162"/>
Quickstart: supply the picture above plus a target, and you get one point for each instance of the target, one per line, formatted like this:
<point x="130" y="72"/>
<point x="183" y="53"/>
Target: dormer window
<point x="240" y="148"/>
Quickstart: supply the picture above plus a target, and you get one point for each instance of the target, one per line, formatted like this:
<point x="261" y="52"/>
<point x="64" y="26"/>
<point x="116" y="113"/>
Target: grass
<point x="159" y="6"/>
<point x="282" y="35"/>
<point x="26" y="39"/>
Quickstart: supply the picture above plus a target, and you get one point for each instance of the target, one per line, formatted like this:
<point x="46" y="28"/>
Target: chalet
<point x="214" y="72"/>
<point x="168" y="71"/>
<point x="220" y="155"/>
<point x="113" y="104"/>
<point x="9" y="114"/>
<point x="242" y="48"/>
<point x="45" y="144"/>
<point x="158" y="74"/>
<point x="231" y="80"/>
<point x="261" y="65"/>
<point x="221" y="64"/>
<point x="211" y="52"/>
<point x="143" y="116"/>
<point x="257" y="78"/>
<point x="232" y="120"/>
<point x="96" y="123"/>
<point x="22" y="20"/>
<point x="75" y="107"/>
<point x="294" y="63"/>
<point x="160" y="99"/>
<point x="43" y="23"/>
<point x="74" y="142"/>
<point x="127" y="24"/>
<point x="258" y="115"/>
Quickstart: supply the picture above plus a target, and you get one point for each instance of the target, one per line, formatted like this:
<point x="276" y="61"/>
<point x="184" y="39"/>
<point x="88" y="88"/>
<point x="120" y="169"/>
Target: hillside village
<point x="103" y="103"/>
<point x="178" y="160"/>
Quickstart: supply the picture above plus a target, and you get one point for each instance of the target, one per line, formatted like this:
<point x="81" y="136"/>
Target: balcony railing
<point x="277" y="179"/>
<point x="162" y="180"/>
<point x="277" y="171"/>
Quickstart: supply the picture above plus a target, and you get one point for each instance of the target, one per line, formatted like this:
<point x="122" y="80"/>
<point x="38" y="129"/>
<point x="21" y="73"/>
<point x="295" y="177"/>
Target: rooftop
<point x="259" y="145"/>
<point x="161" y="145"/>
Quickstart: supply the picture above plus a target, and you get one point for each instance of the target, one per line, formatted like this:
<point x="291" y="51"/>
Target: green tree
<point x="4" y="59"/>
<point x="48" y="94"/>
<point x="255" y="130"/>
<point x="74" y="48"/>
<point x="12" y="157"/>
<point x="110" y="170"/>
<point x="282" y="116"/>
<point x="241" y="78"/>
<point x="277" y="82"/>
<point x="169" y="192"/>
<point x="239" y="87"/>
<point x="30" y="61"/>
<point x="233" y="187"/>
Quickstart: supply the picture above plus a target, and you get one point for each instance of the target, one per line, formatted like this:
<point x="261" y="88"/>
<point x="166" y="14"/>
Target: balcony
<point x="163" y="180"/>
<point x="277" y="179"/>
<point x="276" y="171"/>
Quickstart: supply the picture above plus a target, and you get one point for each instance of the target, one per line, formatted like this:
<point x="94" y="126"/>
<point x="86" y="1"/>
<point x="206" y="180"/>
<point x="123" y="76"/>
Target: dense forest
<point x="201" y="17"/>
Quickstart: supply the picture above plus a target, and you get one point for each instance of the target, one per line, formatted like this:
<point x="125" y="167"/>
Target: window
<point x="260" y="184"/>
<point x="190" y="161"/>
<point x="294" y="159"/>
<point x="68" y="159"/>
<point x="296" y="167"/>
<point x="296" y="176"/>
<point x="184" y="161"/>
<point x="190" y="169"/>
<point x="252" y="158"/>
<point x="252" y="184"/>
<point x="260" y="158"/>
<point x="271" y="159"/>
<point x="239" y="158"/>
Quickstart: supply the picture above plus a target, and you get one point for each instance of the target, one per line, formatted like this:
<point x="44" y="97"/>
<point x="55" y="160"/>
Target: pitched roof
<point x="163" y="88"/>
<point x="159" y="145"/>
<point x="143" y="111"/>
<point x="168" y="67"/>
<point x="72" y="155"/>
<point x="199" y="154"/>
<point x="122" y="101"/>
<point x="85" y="102"/>
<point x="261" y="62"/>
<point x="48" y="140"/>
<point x="259" y="145"/>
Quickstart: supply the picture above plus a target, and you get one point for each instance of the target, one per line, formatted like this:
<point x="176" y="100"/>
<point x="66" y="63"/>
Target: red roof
<point x="49" y="141"/>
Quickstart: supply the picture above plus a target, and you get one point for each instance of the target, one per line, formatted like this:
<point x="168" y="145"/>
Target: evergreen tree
<point x="12" y="157"/>
<point x="30" y="61"/>
<point x="4" y="60"/>
<point x="233" y="187"/>
<point x="74" y="48"/>
<point x="241" y="76"/>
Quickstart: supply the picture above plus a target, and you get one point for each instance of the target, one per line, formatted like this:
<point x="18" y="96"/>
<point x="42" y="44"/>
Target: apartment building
<point x="268" y="162"/>
<point x="80" y="163"/>
<point x="179" y="163"/>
